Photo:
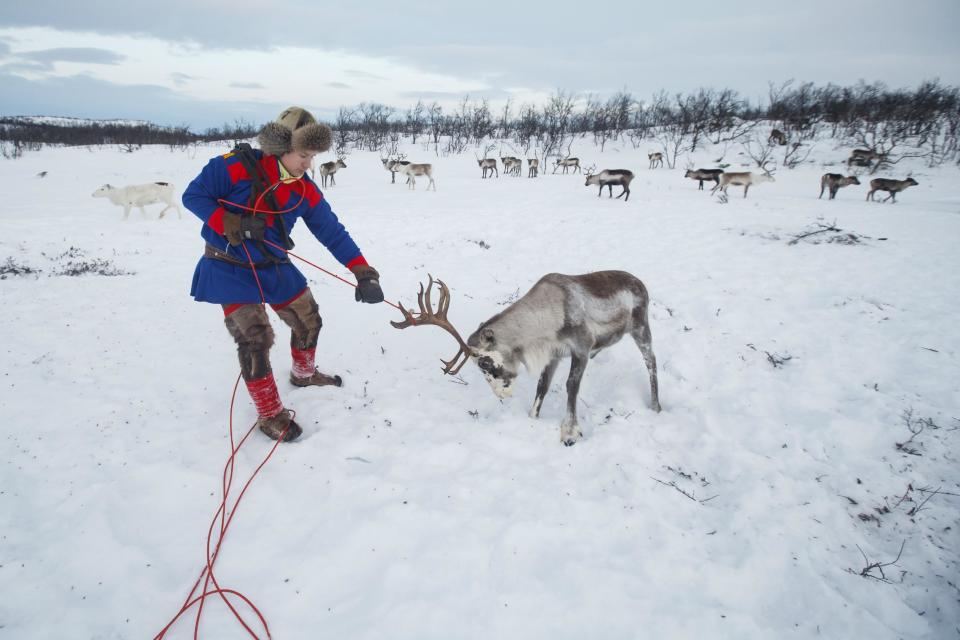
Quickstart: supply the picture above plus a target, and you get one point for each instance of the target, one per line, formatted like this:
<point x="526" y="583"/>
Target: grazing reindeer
<point x="778" y="137"/>
<point x="561" y="316"/>
<point x="893" y="187"/>
<point x="608" y="178"/>
<point x="533" y="167"/>
<point x="393" y="166"/>
<point x="834" y="181"/>
<point x="488" y="165"/>
<point x="566" y="163"/>
<point x="511" y="165"/>
<point x="327" y="169"/>
<point x="414" y="170"/>
<point x="863" y="157"/>
<point x="742" y="178"/>
<point x="704" y="174"/>
<point x="656" y="159"/>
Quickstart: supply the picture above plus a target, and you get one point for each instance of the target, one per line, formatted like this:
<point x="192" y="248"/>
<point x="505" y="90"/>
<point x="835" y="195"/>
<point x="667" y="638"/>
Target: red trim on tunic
<point x="215" y="221"/>
<point x="237" y="172"/>
<point x="277" y="307"/>
<point x="359" y="261"/>
<point x="230" y="308"/>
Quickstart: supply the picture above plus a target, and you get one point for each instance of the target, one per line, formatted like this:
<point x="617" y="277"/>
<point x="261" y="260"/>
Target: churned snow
<point x="419" y="506"/>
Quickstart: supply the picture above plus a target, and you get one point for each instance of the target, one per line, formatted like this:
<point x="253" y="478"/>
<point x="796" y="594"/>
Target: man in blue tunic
<point x="249" y="200"/>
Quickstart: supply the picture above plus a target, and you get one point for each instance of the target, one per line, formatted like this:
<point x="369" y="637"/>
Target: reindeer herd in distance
<point x="512" y="166"/>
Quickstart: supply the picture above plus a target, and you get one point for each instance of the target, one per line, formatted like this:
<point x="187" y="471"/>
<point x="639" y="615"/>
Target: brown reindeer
<point x="488" y="165"/>
<point x="712" y="175"/>
<point x="327" y="169"/>
<point x="893" y="187"/>
<point x="533" y="167"/>
<point x="778" y="137"/>
<point x="834" y="181"/>
<point x="561" y="316"/>
<point x="863" y="157"/>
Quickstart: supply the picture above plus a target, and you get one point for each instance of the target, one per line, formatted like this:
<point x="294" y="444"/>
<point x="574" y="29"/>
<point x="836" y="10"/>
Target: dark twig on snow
<point x="686" y="493"/>
<point x="823" y="229"/>
<point x="915" y="510"/>
<point x="867" y="571"/>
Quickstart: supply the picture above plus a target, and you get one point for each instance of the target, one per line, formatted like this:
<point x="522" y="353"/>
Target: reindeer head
<point x="494" y="358"/>
<point x="102" y="191"/>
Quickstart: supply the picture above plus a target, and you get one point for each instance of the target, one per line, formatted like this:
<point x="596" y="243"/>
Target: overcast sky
<point x="207" y="62"/>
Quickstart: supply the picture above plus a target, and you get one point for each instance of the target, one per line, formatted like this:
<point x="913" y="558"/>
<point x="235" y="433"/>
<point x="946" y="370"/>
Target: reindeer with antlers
<point x="608" y="178"/>
<point x="561" y="316"/>
<point x="394" y="164"/>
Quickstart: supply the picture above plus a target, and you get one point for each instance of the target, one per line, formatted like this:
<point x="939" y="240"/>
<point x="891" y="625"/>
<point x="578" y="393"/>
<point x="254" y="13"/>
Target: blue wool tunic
<point x="225" y="180"/>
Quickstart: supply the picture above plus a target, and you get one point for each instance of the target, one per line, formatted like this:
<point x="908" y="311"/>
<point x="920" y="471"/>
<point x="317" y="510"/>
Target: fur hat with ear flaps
<point x="295" y="130"/>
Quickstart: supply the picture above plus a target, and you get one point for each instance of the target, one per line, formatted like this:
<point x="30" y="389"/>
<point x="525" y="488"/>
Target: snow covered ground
<point x="418" y="506"/>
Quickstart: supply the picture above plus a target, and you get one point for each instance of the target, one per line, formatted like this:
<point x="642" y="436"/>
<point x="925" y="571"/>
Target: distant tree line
<point x="18" y="134"/>
<point x="897" y="123"/>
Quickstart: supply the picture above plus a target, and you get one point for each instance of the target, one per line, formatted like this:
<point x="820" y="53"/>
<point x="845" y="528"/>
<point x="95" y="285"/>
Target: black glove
<point x="240" y="227"/>
<point x="368" y="284"/>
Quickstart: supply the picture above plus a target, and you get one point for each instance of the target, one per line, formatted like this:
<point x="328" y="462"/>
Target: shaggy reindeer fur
<point x="564" y="316"/>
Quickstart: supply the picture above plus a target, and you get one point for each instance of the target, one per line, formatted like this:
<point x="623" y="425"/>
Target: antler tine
<point x="444" y="302"/>
<point x="426" y="296"/>
<point x="438" y="318"/>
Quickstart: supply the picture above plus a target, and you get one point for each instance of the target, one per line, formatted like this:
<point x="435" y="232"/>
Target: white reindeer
<point x="741" y="178"/>
<point x="138" y="195"/>
<point x="413" y="170"/>
<point x="566" y="163"/>
<point x="656" y="159"/>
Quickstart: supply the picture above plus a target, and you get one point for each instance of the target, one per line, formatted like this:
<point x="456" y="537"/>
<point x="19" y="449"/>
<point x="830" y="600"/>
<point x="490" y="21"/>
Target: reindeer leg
<point x="543" y="386"/>
<point x="746" y="188"/>
<point x="569" y="429"/>
<point x="644" y="342"/>
<point x="600" y="193"/>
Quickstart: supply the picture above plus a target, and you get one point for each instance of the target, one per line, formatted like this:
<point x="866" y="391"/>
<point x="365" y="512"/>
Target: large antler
<point x="427" y="316"/>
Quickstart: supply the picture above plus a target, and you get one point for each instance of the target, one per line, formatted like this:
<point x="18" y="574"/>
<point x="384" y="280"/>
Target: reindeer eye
<point x="485" y="363"/>
<point x="487" y="335"/>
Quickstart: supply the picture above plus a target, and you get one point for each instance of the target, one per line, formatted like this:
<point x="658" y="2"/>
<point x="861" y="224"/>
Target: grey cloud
<point x="490" y="94"/>
<point x="644" y="46"/>
<point x="89" y="55"/>
<point x="180" y="79"/>
<point x="92" y="98"/>
<point x="363" y="75"/>
<point x="338" y="85"/>
<point x="246" y="85"/>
